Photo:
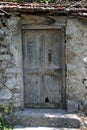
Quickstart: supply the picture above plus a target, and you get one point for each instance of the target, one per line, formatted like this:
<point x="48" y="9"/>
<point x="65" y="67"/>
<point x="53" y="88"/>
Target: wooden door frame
<point x="42" y="27"/>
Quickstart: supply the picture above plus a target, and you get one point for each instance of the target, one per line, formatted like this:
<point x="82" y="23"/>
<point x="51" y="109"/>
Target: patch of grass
<point x="5" y="121"/>
<point x="5" y="128"/>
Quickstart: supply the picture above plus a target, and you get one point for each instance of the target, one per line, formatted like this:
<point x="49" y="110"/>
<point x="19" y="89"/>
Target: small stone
<point x="72" y="106"/>
<point x="17" y="95"/>
<point x="17" y="87"/>
<point x="13" y="70"/>
<point x="85" y="104"/>
<point x="11" y="83"/>
<point x="85" y="59"/>
<point x="3" y="33"/>
<point x="17" y="104"/>
<point x="5" y="57"/>
<point x="4" y="64"/>
<point x="5" y="94"/>
<point x="85" y="34"/>
<point x="3" y="50"/>
<point x="17" y="99"/>
<point x="85" y="83"/>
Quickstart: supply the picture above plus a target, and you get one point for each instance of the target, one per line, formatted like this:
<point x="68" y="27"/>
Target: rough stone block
<point x="4" y="64"/>
<point x="72" y="106"/>
<point x="5" y="94"/>
<point x="3" y="50"/>
<point x="5" y="57"/>
<point x="3" y="31"/>
<point x="16" y="95"/>
<point x="13" y="70"/>
<point x="85" y="104"/>
<point x="11" y="83"/>
<point x="85" y="59"/>
<point x="85" y="34"/>
<point x="17" y="104"/>
<point x="85" y="83"/>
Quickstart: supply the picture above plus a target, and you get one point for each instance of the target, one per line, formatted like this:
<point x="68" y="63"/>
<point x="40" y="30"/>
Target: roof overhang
<point x="66" y="9"/>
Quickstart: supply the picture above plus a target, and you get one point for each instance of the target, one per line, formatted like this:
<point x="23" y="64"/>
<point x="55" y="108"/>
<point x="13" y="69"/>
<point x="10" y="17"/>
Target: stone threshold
<point x="58" y="118"/>
<point x="41" y="128"/>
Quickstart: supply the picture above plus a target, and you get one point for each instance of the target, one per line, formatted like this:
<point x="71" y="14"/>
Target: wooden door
<point x="43" y="68"/>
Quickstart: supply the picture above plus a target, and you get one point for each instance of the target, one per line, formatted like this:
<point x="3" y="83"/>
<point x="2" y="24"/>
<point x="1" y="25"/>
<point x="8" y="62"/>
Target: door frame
<point x="62" y="28"/>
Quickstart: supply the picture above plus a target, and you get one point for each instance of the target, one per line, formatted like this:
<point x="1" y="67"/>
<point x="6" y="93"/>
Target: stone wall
<point x="11" y="66"/>
<point x="11" y="63"/>
<point x="76" y="58"/>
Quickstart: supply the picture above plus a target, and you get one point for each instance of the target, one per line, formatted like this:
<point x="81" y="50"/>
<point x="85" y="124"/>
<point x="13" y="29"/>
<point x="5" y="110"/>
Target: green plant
<point x="5" y="123"/>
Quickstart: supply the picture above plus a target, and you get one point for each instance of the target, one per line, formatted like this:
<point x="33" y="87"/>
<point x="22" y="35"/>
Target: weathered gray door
<point x="43" y="68"/>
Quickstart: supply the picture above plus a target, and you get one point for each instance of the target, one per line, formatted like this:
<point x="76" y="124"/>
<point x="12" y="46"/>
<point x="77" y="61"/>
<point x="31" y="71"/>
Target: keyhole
<point x="46" y="99"/>
<point x="49" y="56"/>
